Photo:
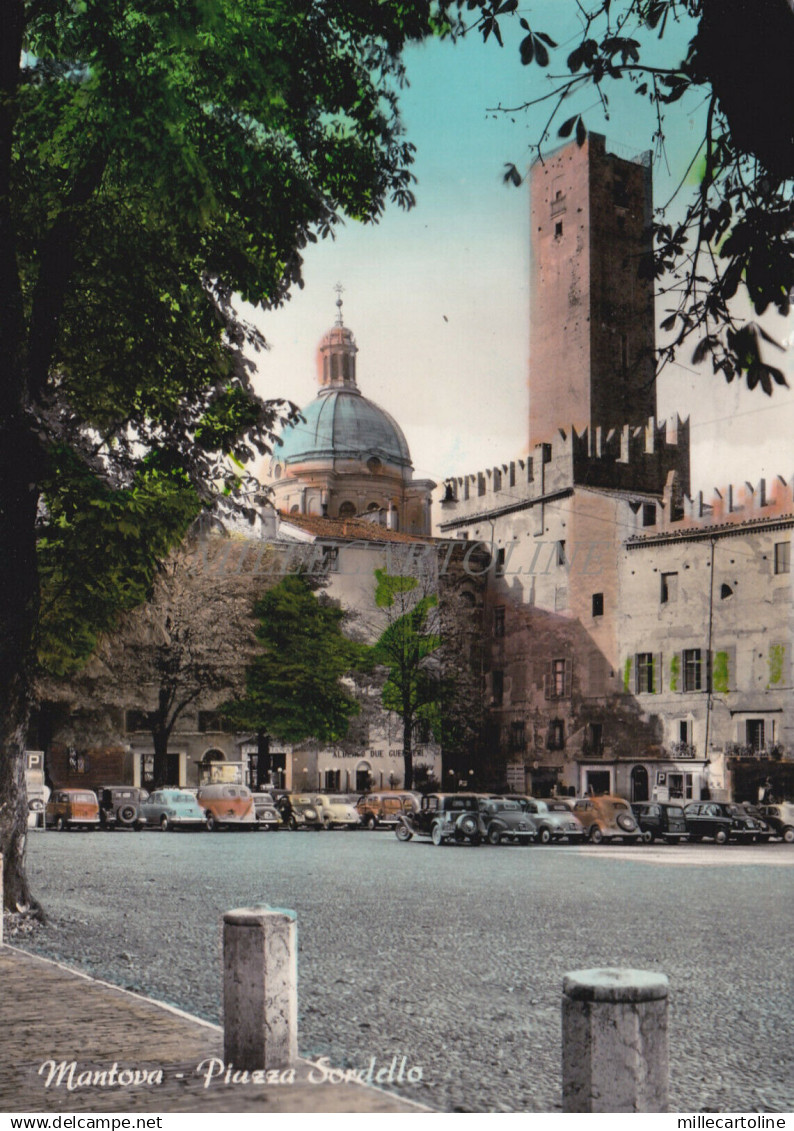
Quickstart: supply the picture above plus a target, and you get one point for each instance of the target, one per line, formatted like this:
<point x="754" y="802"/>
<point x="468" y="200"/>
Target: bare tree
<point x="189" y="644"/>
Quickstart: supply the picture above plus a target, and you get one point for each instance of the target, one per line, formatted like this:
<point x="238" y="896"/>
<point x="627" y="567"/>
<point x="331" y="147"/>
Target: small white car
<point x="336" y="812"/>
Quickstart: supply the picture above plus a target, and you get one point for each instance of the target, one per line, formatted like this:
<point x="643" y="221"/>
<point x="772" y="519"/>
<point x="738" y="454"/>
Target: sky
<point x="438" y="297"/>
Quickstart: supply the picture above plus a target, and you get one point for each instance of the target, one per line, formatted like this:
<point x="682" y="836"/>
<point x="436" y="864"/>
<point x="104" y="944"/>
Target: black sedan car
<point x="720" y="820"/>
<point x="505" y="820"/>
<point x="444" y="817"/>
<point x="660" y="820"/>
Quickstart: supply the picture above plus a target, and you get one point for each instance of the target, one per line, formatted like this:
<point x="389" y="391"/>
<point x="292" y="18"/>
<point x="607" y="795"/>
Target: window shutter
<point x="568" y="678"/>
<point x="677" y="671"/>
<point x="548" y="681"/>
<point x="631" y="675"/>
<point x="657" y="673"/>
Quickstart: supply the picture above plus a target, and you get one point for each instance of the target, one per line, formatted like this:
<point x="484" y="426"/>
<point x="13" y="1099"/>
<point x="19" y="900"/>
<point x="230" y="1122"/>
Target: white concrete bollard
<point x="614" y="1041"/>
<point x="260" y="988"/>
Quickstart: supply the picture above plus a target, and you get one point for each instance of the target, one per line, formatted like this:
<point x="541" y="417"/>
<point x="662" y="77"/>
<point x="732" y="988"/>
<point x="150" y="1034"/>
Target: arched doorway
<point x="364" y="778"/>
<point x="639" y="784"/>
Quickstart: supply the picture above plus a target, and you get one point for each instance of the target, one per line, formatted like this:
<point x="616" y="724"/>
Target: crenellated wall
<point x="643" y="459"/>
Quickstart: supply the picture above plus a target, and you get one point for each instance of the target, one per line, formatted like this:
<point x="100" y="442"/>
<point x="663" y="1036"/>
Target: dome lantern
<point x="337" y="354"/>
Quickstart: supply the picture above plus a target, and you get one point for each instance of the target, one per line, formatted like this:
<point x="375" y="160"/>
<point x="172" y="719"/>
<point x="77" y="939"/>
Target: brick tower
<point x="591" y="316"/>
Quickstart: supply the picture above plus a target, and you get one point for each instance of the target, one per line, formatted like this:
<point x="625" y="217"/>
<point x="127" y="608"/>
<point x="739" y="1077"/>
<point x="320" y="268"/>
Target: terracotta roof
<point x="353" y="530"/>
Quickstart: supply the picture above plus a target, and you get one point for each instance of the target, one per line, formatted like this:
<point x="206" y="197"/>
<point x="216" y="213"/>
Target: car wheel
<point x="596" y="836"/>
<point x="720" y="837"/>
<point x="212" y="824"/>
<point x="403" y="833"/>
<point x="494" y="836"/>
<point x="436" y="835"/>
<point x="468" y="826"/>
<point x="544" y="835"/>
<point x="264" y="826"/>
<point x="371" y="822"/>
<point x="126" y="814"/>
<point x="293" y="824"/>
<point x="648" y="836"/>
<point x="165" y="824"/>
<point x="60" y="825"/>
<point x="788" y="835"/>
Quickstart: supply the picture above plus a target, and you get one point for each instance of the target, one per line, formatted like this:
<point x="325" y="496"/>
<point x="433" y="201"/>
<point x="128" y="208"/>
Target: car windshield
<point x="83" y="797"/>
<point x="180" y="798"/>
<point x="508" y="806"/>
<point x="675" y="811"/>
<point x="734" y="811"/>
<point x="556" y="806"/>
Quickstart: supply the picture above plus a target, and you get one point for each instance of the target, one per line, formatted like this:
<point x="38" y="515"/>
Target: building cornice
<point x="509" y="508"/>
<point x="706" y="534"/>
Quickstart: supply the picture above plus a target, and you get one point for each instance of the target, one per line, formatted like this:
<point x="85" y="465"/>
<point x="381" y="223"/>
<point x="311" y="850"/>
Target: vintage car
<point x="552" y="820"/>
<point x="377" y="809"/>
<point x="444" y="817"/>
<point x="707" y="819"/>
<point x="505" y="820"/>
<point x="227" y="806"/>
<point x="606" y="818"/>
<point x="664" y="820"/>
<point x="722" y="821"/>
<point x="120" y="807"/>
<point x="299" y="811"/>
<point x="72" y="809"/>
<point x="780" y="818"/>
<point x="754" y="811"/>
<point x="266" y="811"/>
<point x="173" y="809"/>
<point x="337" y="812"/>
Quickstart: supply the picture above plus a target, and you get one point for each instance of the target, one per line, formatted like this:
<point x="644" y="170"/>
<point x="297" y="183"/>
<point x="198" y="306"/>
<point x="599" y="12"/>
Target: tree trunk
<point x="18" y="610"/>
<point x="408" y="754"/>
<point x="160" y="736"/>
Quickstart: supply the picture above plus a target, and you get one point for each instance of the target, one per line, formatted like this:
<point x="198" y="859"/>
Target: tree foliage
<point x="406" y="648"/>
<point x="736" y="235"/>
<point x="293" y="686"/>
<point x="158" y="157"/>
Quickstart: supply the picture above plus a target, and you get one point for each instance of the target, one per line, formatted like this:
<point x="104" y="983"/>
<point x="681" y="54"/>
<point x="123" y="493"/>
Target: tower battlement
<point x="632" y="458"/>
<point x="732" y="506"/>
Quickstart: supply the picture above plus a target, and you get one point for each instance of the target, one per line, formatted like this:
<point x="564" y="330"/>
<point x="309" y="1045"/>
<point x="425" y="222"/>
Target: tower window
<point x="558" y="230"/>
<point x="782" y="557"/>
<point x="669" y="587"/>
<point x="598" y="604"/>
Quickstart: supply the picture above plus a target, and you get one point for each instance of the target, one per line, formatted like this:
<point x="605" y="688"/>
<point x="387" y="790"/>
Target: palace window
<point x="693" y="669"/>
<point x="558" y="679"/>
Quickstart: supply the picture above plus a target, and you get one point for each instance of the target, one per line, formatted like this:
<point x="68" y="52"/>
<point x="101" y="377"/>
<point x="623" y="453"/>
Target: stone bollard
<point x="614" y="1041"/>
<point x="260" y="988"/>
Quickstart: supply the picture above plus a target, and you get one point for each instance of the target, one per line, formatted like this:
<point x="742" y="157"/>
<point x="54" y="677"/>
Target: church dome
<point x="342" y="424"/>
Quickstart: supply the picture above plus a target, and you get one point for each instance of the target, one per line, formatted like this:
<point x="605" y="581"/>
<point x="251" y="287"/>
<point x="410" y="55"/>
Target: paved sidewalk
<point x="50" y="1013"/>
